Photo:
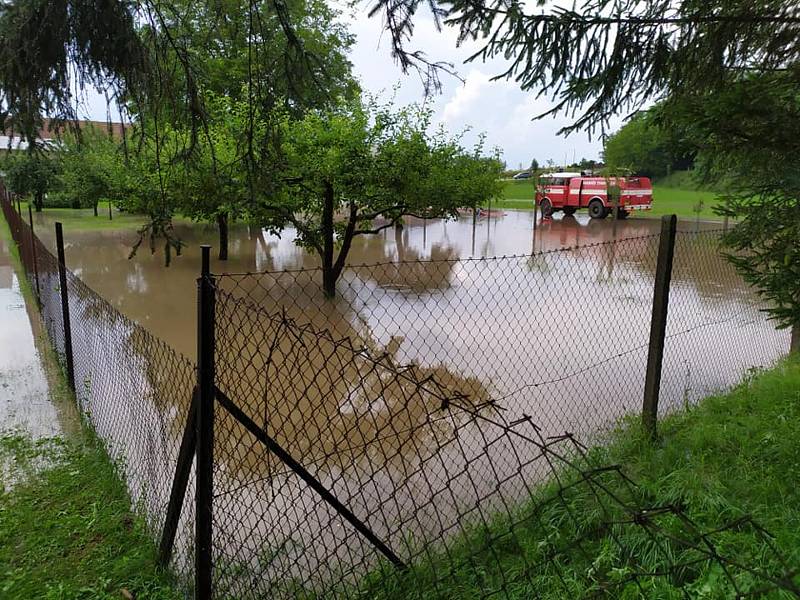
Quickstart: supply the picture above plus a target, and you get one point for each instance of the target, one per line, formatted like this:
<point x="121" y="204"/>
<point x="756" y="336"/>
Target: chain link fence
<point x="417" y="435"/>
<point x="130" y="386"/>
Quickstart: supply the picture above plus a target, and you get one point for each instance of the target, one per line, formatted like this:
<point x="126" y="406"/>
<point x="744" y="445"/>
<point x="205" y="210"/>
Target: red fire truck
<point x="571" y="191"/>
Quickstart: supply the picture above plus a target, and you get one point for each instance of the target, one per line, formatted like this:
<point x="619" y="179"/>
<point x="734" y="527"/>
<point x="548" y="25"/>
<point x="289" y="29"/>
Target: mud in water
<point x="559" y="337"/>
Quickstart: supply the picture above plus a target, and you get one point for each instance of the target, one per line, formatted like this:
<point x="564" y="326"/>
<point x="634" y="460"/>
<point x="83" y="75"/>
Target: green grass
<point x="66" y="528"/>
<point x="733" y="455"/>
<point x="66" y="532"/>
<point x="83" y="219"/>
<point x="676" y="194"/>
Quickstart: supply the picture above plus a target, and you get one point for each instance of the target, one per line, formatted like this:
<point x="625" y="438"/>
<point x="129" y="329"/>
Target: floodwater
<point x="26" y="405"/>
<point x="389" y="409"/>
<point x="24" y="395"/>
<point x="163" y="299"/>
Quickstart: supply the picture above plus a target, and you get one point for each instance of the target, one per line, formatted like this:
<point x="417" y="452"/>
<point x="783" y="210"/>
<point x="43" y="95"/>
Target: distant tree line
<point x="645" y="147"/>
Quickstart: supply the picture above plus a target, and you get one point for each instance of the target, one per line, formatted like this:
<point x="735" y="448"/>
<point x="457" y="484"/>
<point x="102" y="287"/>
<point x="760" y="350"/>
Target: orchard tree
<point x="86" y="167"/>
<point x="30" y="173"/>
<point x="360" y="168"/>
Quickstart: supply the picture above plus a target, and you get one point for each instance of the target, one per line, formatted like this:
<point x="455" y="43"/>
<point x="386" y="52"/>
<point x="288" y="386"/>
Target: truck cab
<point x="570" y="192"/>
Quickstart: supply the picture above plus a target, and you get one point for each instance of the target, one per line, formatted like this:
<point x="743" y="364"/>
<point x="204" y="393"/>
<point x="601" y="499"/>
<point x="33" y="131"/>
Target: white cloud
<point x="465" y="97"/>
<point x="498" y="108"/>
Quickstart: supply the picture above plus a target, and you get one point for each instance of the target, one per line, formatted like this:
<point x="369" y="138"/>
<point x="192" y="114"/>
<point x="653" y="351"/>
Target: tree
<point x="534" y="166"/>
<point x="243" y="90"/>
<point x="30" y="173"/>
<point x="748" y="138"/>
<point x="642" y="146"/>
<point x="86" y="165"/>
<point x="347" y="174"/>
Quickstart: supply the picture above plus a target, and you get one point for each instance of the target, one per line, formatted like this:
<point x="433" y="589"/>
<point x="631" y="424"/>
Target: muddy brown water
<point x="559" y="337"/>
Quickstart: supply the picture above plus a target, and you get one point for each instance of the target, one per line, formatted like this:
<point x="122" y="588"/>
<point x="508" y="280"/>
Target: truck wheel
<point x="546" y="207"/>
<point x="597" y="210"/>
<point x="569" y="210"/>
<point x="622" y="213"/>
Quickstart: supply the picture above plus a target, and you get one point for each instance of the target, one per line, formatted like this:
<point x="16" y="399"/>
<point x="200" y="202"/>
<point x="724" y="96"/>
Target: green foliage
<point x="88" y="168"/>
<point x="66" y="532"/>
<point x="748" y="137"/>
<point x="46" y="42"/>
<point x="30" y="173"/>
<point x="723" y="460"/>
<point x="349" y="166"/>
<point x="644" y="148"/>
<point x="224" y="64"/>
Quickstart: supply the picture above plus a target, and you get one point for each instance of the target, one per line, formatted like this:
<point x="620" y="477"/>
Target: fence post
<point x="33" y="256"/>
<point x="205" y="430"/>
<point x="62" y="278"/>
<point x="180" y="480"/>
<point x="658" y="323"/>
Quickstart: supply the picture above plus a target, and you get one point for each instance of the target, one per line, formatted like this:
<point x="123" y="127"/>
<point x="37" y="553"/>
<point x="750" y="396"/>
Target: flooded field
<point x="163" y="299"/>
<point x="377" y="391"/>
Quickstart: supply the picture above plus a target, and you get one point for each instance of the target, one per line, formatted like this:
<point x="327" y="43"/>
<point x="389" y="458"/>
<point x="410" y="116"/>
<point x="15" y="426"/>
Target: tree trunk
<point x="222" y="224"/>
<point x="328" y="276"/>
<point x="794" y="346"/>
<point x="95" y="208"/>
<point x="38" y="201"/>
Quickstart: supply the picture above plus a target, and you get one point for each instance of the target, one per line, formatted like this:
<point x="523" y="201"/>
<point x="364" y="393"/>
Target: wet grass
<point x="732" y="455"/>
<point x="66" y="528"/>
<point x="66" y="531"/>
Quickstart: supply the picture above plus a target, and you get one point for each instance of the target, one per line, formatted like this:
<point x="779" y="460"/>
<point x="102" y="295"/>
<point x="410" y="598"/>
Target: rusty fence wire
<point x="426" y="432"/>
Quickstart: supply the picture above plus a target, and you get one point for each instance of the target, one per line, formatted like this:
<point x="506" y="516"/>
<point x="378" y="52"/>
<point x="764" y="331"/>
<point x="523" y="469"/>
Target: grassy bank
<point x="733" y="455"/>
<point x="66" y="528"/>
<point x="83" y="219"/>
<point x="676" y="194"/>
<point x="66" y="531"/>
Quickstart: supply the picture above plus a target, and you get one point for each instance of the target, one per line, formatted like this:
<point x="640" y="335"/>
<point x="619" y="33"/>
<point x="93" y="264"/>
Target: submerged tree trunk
<point x="222" y="224"/>
<point x="38" y="201"/>
<point x="328" y="278"/>
<point x="332" y="269"/>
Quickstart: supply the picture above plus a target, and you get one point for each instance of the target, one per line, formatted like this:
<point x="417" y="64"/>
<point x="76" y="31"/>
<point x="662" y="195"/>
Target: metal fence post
<point x="33" y="256"/>
<point x="205" y="430"/>
<point x="62" y="278"/>
<point x="658" y="323"/>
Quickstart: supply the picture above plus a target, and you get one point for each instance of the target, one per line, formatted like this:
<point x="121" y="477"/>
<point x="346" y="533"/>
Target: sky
<point x="498" y="109"/>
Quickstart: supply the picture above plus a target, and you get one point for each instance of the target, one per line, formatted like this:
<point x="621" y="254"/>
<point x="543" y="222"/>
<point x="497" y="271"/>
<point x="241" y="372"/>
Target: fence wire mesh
<point x="432" y="399"/>
<point x="131" y="387"/>
<point x="440" y="403"/>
